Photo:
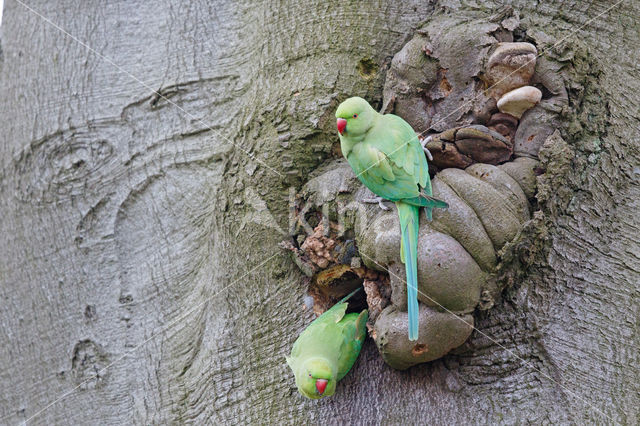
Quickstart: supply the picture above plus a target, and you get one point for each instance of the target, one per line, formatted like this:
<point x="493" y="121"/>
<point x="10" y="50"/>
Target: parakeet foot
<point x="376" y="200"/>
<point x="424" y="143"/>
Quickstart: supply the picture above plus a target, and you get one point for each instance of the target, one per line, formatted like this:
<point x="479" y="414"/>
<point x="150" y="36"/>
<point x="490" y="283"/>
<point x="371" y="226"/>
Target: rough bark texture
<point x="121" y="212"/>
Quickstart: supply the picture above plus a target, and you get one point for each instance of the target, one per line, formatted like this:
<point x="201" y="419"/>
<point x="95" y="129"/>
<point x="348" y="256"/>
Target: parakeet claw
<point x="376" y="200"/>
<point x="426" y="151"/>
<point x="424" y="143"/>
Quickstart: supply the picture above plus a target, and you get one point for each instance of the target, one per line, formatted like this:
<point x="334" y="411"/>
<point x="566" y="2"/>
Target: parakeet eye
<point x="309" y="374"/>
<point x="355" y="115"/>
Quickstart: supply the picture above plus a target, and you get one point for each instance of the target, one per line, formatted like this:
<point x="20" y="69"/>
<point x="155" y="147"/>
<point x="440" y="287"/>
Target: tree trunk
<point x="140" y="275"/>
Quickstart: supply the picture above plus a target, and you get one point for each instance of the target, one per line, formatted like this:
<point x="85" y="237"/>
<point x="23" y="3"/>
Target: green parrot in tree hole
<point x="326" y="350"/>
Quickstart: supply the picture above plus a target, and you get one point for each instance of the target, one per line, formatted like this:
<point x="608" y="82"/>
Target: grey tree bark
<point x="140" y="274"/>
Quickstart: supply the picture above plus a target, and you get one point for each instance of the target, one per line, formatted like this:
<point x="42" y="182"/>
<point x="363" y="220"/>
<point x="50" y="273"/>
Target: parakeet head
<point x="316" y="379"/>
<point x="355" y="117"/>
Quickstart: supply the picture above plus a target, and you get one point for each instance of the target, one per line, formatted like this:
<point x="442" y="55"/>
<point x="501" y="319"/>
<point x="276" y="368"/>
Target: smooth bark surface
<point x="139" y="259"/>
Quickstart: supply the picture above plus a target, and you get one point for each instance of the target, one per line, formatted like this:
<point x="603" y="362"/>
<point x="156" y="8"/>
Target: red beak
<point x="321" y="384"/>
<point x="342" y="124"/>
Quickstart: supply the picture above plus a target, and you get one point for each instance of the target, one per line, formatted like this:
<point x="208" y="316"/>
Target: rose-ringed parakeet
<point x="326" y="350"/>
<point x="386" y="155"/>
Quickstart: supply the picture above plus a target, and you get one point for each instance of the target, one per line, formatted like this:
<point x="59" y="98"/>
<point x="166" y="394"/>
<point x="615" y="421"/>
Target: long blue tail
<point x="409" y="216"/>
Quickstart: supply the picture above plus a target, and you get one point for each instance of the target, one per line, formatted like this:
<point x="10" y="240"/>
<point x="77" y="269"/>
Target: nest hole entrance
<point x="330" y="285"/>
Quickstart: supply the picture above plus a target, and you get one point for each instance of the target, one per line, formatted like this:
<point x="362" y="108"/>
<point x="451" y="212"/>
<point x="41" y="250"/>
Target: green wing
<point x="415" y="162"/>
<point x="354" y="331"/>
<point x="390" y="160"/>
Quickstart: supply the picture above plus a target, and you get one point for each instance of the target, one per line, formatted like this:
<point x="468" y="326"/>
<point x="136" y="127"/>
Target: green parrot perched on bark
<point x="386" y="155"/>
<point x="326" y="350"/>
